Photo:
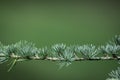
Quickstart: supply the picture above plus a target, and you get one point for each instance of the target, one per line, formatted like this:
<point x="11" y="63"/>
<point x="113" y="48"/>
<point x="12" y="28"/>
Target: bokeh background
<point x="49" y="22"/>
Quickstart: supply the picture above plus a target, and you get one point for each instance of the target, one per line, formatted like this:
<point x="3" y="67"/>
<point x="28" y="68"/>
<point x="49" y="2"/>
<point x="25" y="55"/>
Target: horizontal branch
<point x="84" y="59"/>
<point x="24" y="50"/>
<point x="60" y="59"/>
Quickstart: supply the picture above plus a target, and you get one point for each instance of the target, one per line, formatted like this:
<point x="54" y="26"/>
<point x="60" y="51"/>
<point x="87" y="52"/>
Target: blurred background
<point x="50" y="22"/>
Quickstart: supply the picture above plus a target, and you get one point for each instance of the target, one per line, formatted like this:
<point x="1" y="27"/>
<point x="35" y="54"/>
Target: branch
<point x="24" y="50"/>
<point x="60" y="59"/>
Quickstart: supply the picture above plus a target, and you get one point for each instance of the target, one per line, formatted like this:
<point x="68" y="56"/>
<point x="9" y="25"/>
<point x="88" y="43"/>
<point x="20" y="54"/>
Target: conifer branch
<point x="61" y="59"/>
<point x="24" y="50"/>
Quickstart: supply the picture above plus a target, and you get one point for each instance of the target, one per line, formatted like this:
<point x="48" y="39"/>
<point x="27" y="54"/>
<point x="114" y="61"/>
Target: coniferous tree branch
<point x="115" y="74"/>
<point x="60" y="59"/>
<point x="23" y="50"/>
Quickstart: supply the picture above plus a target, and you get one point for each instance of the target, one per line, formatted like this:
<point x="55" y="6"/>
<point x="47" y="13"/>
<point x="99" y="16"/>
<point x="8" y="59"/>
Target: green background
<point x="49" y="22"/>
